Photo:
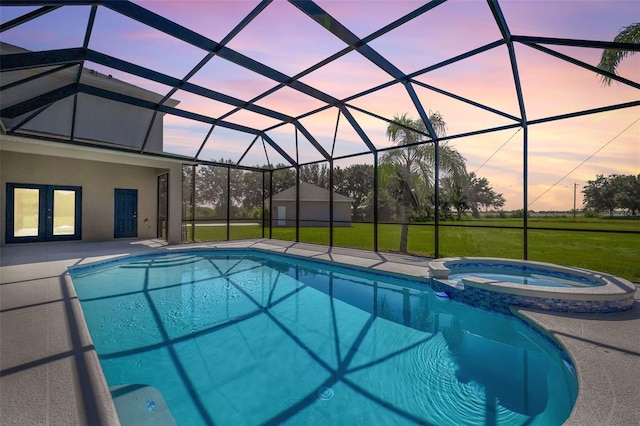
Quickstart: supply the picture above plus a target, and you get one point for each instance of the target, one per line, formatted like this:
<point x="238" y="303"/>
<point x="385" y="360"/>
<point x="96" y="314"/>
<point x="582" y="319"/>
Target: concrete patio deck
<point x="50" y="374"/>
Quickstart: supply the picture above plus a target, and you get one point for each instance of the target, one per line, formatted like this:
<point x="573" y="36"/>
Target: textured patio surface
<point x="606" y="351"/>
<point x="50" y="375"/>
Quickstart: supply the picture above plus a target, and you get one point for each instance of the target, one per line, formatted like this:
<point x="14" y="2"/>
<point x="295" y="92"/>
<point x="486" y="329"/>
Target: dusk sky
<point x="561" y="153"/>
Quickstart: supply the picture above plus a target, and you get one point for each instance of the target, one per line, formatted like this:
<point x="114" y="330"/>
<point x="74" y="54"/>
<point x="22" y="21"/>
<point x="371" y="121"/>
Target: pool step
<point x="141" y="405"/>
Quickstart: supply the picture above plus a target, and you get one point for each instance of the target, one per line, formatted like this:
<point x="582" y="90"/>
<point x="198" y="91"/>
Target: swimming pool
<point x="248" y="337"/>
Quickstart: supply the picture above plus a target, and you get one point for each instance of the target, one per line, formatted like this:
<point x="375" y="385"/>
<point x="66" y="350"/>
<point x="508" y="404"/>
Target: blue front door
<point x="126" y="213"/>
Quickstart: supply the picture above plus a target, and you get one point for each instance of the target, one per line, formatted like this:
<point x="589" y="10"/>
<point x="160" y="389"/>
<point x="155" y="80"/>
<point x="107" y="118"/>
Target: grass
<point x="607" y="224"/>
<point x="613" y="253"/>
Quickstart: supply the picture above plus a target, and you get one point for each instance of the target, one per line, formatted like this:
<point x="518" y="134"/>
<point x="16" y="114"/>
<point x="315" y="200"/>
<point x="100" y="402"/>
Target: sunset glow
<point x="562" y="154"/>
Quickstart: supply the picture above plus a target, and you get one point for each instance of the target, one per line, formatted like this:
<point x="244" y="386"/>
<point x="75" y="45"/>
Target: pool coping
<point x="605" y="348"/>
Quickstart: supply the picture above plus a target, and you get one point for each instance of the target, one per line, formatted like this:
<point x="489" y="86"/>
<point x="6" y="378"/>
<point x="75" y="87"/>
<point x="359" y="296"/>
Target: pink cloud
<point x="346" y="76"/>
<point x="283" y="38"/>
<point x="127" y="39"/>
<point x="252" y="119"/>
<point x="290" y="101"/>
<point x="438" y="35"/>
<point x="200" y="105"/>
<point x="363" y="18"/>
<point x="231" y="79"/>
<point x="591" y="20"/>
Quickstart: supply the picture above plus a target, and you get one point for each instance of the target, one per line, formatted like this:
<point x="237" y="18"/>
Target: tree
<point x="356" y="181"/>
<point x="627" y="190"/>
<point x="388" y="208"/>
<point x="211" y="189"/>
<point x="480" y="194"/>
<point x="282" y="179"/>
<point x="252" y="195"/>
<point x="313" y="173"/>
<point x="606" y="194"/>
<point x="470" y="192"/>
<point x="612" y="57"/>
<point x="598" y="195"/>
<point x="456" y="193"/>
<point x="414" y="165"/>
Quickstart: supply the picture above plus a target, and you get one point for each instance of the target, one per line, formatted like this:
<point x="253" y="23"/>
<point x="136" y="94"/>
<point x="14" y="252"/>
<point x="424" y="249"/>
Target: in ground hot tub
<point x="497" y="284"/>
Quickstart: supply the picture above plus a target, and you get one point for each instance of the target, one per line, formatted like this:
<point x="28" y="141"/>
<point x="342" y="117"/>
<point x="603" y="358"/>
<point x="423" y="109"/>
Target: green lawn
<point x="605" y="224"/>
<point x="617" y="254"/>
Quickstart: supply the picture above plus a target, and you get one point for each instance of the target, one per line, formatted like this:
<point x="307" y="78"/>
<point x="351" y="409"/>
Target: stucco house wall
<point x="99" y="124"/>
<point x="98" y="174"/>
<point x="290" y="216"/>
<point x="316" y="213"/>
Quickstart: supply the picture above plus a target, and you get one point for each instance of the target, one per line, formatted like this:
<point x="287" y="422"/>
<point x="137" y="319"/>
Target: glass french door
<point x="43" y="213"/>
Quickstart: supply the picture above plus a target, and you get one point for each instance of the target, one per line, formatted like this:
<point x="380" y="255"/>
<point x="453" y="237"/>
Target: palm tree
<point x="612" y="57"/>
<point x="414" y="165"/>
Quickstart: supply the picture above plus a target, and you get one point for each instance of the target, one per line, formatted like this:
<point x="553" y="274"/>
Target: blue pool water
<point x="519" y="274"/>
<point x="247" y="338"/>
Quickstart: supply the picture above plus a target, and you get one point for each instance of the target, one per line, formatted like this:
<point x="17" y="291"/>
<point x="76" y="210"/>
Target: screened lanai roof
<point x="262" y="83"/>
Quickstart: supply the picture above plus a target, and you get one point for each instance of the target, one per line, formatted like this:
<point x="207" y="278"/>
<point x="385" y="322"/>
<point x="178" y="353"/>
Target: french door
<point x="43" y="213"/>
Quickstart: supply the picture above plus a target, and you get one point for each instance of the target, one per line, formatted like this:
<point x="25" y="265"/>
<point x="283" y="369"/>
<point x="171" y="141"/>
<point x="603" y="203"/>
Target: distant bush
<point x="591" y="214"/>
<point x="205" y="213"/>
<point x="256" y="213"/>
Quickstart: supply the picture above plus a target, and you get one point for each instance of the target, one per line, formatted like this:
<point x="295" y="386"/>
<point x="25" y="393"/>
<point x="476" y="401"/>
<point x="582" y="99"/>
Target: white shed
<point x="314" y="207"/>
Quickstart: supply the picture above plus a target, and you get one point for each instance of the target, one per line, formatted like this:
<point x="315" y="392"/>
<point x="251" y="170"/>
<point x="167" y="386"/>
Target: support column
<point x="375" y="201"/>
<point x="174" y="221"/>
<point x="330" y="203"/>
<point x="228" y="203"/>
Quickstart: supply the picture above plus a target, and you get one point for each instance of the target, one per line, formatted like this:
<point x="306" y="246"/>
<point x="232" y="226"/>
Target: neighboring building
<point x="79" y="188"/>
<point x="314" y="207"/>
